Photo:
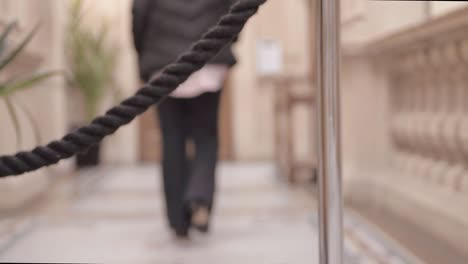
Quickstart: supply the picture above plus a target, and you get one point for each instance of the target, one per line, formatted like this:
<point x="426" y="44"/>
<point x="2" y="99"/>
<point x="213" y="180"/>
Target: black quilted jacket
<point x="162" y="29"/>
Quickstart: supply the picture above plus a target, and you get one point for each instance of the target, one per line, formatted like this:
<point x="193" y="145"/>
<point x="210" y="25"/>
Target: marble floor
<point x="116" y="215"/>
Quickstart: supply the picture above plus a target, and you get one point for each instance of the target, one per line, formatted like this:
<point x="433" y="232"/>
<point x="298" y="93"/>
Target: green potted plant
<point x="92" y="60"/>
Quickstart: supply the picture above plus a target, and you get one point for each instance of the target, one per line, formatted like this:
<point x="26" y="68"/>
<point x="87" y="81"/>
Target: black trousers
<point x="188" y="180"/>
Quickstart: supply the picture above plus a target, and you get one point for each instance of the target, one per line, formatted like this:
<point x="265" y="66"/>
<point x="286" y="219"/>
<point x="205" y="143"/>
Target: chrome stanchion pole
<point x="330" y="194"/>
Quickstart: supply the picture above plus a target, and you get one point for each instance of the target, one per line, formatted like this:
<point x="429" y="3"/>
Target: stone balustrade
<point x="429" y="111"/>
<point x="427" y="73"/>
<point x="405" y="125"/>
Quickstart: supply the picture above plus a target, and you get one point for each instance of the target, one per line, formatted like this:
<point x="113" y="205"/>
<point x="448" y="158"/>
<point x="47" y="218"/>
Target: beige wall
<point x="365" y="121"/>
<point x="367" y="20"/>
<point x="253" y="120"/>
<point x="44" y="53"/>
<point x="46" y="101"/>
<point x="438" y="8"/>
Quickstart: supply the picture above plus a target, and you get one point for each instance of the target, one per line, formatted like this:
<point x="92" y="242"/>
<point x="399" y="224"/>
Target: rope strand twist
<point x="153" y="92"/>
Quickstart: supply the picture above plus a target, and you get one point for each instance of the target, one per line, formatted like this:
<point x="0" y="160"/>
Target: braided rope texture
<point x="153" y="92"/>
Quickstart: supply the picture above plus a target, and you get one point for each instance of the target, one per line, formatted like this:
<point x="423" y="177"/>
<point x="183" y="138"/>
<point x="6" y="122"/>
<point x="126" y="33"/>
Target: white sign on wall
<point x="269" y="57"/>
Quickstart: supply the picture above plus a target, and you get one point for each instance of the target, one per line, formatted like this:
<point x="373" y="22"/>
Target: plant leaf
<point x="14" y="117"/>
<point x="10" y="57"/>
<point x="5" y="34"/>
<point x="14" y="86"/>
<point x="35" y="126"/>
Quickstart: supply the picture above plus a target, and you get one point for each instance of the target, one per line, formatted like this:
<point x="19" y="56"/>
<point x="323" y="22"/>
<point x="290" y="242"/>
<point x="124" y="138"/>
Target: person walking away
<point x="162" y="30"/>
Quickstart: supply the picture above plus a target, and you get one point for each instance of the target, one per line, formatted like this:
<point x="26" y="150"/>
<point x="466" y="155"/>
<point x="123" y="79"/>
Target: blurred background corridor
<point x="404" y="97"/>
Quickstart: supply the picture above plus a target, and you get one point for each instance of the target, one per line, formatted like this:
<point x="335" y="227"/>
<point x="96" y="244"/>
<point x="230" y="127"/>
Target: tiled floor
<point x="116" y="215"/>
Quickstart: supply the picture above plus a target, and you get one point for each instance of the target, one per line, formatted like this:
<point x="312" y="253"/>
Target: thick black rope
<point x="151" y="93"/>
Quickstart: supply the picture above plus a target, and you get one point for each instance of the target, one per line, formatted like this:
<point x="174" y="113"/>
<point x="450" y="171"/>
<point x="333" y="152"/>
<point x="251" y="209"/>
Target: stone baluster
<point x="428" y="97"/>
<point x="403" y="106"/>
<point x="452" y="120"/>
<point x="417" y="114"/>
<point x="429" y="111"/>
<point x="438" y="92"/>
<point x="414" y="114"/>
<point x="461" y="183"/>
<point x="395" y="95"/>
<point x="441" y="127"/>
<point x="425" y="113"/>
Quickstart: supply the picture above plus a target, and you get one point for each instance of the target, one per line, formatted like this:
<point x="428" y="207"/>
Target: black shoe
<point x="200" y="217"/>
<point x="181" y="234"/>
